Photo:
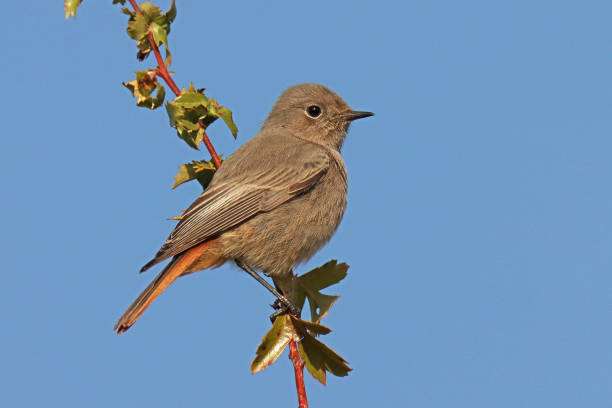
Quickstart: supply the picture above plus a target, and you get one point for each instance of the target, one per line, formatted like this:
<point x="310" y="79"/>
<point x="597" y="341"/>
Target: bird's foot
<point x="282" y="306"/>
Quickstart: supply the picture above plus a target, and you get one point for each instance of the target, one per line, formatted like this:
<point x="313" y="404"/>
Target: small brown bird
<point x="275" y="201"/>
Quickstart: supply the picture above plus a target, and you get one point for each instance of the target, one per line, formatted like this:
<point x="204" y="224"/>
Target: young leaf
<point x="273" y="343"/>
<point x="168" y="59"/>
<point x="150" y="19"/>
<point x="304" y="326"/>
<point x="311" y="283"/>
<point x="313" y="361"/>
<point x="160" y="35"/>
<point x="128" y="12"/>
<point x="190" y="98"/>
<point x="320" y="304"/>
<point x="202" y="170"/>
<point x="320" y="359"/>
<point x="324" y="276"/>
<point x="142" y="88"/>
<point x="171" y="13"/>
<point x="138" y="27"/>
<point x="226" y="115"/>
<point x="153" y="102"/>
<point x="149" y="11"/>
<point x="70" y="7"/>
<point x="160" y="27"/>
<point x="192" y="112"/>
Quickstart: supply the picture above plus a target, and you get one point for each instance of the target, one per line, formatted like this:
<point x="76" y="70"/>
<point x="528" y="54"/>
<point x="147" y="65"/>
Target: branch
<point x="298" y="367"/>
<point x="163" y="72"/>
<point x="210" y="148"/>
<point x="135" y="6"/>
<point x="294" y="356"/>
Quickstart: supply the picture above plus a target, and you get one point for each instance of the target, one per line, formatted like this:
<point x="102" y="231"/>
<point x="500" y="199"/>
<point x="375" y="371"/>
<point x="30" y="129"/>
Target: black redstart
<point x="275" y="201"/>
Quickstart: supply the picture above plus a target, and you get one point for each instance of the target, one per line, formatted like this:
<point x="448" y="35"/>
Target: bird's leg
<point x="287" y="306"/>
<point x="279" y="312"/>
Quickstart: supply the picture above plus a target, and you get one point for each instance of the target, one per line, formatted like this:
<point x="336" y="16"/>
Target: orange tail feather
<point x="200" y="257"/>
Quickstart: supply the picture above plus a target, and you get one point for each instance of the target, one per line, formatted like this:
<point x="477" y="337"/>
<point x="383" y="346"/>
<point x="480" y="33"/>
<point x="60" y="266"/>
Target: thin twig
<point x="211" y="149"/>
<point x="135" y="6"/>
<point x="162" y="71"/>
<point x="298" y="367"/>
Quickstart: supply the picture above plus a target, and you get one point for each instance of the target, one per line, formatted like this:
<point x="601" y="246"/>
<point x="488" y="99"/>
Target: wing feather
<point x="233" y="200"/>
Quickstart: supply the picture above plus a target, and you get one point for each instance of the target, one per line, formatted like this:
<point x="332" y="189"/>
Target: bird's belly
<point x="276" y="241"/>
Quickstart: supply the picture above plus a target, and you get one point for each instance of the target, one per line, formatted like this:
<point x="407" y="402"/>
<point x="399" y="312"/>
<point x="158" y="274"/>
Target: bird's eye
<point x="313" y="111"/>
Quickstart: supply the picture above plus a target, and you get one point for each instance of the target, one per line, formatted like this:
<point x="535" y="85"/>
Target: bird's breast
<point x="278" y="240"/>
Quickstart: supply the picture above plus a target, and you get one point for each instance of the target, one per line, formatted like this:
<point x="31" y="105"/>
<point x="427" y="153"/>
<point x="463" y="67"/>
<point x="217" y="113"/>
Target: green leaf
<point x="304" y="326"/>
<point x="70" y="7"/>
<point x="142" y="88"/>
<point x="324" y="276"/>
<point x="226" y="115"/>
<point x="171" y="13"/>
<point x="199" y="137"/>
<point x="149" y="11"/>
<point x="192" y="112"/>
<point x="191" y="99"/>
<point x="150" y="19"/>
<point x="202" y="171"/>
<point x="122" y="2"/>
<point x="153" y="102"/>
<point x="138" y="27"/>
<point x="188" y="136"/>
<point x="320" y="359"/>
<point x="273" y="343"/>
<point x="311" y="283"/>
<point x="159" y="34"/>
<point x="128" y="12"/>
<point x="186" y="124"/>
<point x="173" y="113"/>
<point x="168" y="59"/>
<point x="313" y="361"/>
<point x="320" y="304"/>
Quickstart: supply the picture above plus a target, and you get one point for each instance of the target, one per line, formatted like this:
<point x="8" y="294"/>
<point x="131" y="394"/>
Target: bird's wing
<point x="238" y="197"/>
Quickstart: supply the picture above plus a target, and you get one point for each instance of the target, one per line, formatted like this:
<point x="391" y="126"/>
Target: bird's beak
<point x="353" y="115"/>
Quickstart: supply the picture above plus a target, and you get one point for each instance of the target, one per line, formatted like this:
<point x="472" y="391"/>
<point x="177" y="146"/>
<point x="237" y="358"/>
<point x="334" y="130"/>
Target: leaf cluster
<point x="150" y="20"/>
<point x="142" y="89"/>
<point x="201" y="170"/>
<point x="318" y="358"/>
<point x="192" y="112"/>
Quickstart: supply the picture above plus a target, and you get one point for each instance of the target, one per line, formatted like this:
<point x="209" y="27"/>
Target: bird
<point x="272" y="204"/>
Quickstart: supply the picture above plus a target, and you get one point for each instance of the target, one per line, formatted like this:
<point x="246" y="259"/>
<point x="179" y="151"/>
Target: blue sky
<point x="478" y="230"/>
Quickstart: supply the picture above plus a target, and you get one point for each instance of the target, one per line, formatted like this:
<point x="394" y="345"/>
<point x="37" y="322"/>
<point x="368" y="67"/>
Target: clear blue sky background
<point x="478" y="230"/>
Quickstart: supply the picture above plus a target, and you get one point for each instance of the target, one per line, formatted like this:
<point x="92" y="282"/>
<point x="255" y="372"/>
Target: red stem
<point x="210" y="148"/>
<point x="298" y="367"/>
<point x="135" y="6"/>
<point x="163" y="72"/>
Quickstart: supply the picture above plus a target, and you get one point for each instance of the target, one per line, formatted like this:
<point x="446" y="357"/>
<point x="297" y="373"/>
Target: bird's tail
<point x="200" y="257"/>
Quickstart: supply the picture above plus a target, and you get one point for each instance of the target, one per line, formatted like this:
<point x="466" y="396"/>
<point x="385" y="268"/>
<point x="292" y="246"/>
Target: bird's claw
<point x="284" y="306"/>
